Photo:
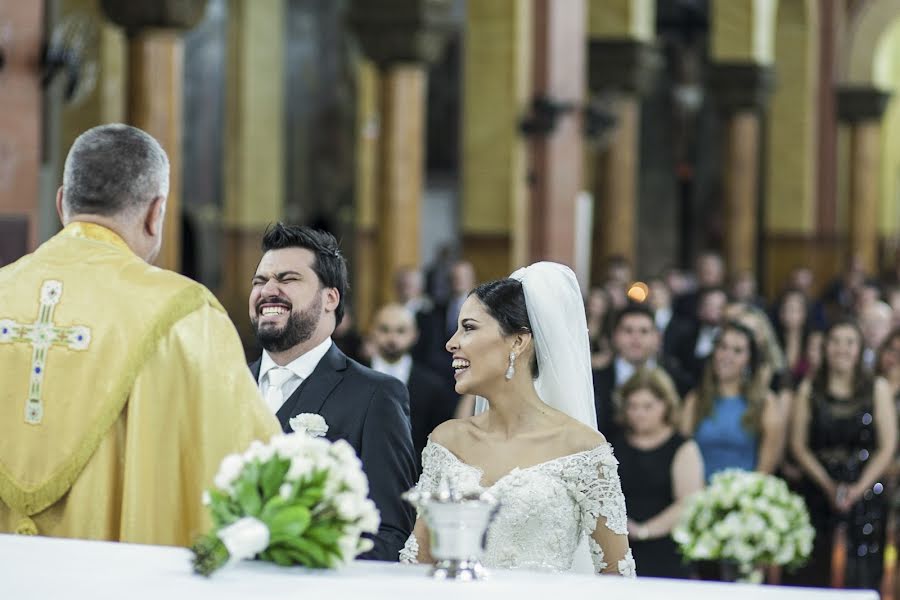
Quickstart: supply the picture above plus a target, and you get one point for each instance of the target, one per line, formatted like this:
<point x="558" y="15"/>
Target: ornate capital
<point x="135" y="15"/>
<point x="622" y="65"/>
<point x="861" y="103"/>
<point x="397" y="31"/>
<point x="741" y="86"/>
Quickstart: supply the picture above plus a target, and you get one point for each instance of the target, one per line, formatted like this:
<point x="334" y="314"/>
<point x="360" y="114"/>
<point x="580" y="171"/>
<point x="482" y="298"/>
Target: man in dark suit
<point x="296" y="302"/>
<point x="690" y="340"/>
<point x="431" y="398"/>
<point x="636" y="343"/>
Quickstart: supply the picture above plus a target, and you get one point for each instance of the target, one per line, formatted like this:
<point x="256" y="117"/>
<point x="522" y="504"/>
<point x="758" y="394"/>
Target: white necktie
<point x="274" y="394"/>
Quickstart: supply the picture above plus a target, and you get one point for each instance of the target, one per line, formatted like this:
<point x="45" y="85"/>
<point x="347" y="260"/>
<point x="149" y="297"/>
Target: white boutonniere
<point x="309" y="423"/>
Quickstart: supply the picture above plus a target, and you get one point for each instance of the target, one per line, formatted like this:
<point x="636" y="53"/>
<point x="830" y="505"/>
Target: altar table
<point x="50" y="568"/>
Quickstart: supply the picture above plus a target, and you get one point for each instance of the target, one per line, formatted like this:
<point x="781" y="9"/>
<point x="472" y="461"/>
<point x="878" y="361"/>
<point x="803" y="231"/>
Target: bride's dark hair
<point x="504" y="300"/>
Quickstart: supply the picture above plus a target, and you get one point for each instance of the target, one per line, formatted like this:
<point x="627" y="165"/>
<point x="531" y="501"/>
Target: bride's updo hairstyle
<point x="504" y="300"/>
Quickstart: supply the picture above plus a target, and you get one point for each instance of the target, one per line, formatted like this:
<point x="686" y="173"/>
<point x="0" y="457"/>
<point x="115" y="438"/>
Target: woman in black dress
<point x="659" y="469"/>
<point x="844" y="437"/>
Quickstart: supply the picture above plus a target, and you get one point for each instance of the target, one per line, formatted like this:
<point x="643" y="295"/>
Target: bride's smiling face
<point x="480" y="350"/>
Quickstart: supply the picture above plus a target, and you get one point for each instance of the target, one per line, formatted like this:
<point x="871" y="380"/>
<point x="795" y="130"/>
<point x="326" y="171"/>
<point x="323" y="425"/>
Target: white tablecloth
<point x="47" y="568"/>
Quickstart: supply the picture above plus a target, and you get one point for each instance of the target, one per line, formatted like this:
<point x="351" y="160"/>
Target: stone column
<point x="861" y="109"/>
<point x="741" y="91"/>
<point x="620" y="72"/>
<point x="496" y="93"/>
<point x="400" y="38"/>
<point x="156" y="89"/>
<point x="20" y="128"/>
<point x="253" y="145"/>
<point x="556" y="156"/>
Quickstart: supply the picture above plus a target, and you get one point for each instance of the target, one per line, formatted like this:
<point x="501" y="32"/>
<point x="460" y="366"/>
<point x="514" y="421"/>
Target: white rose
<point x="259" y="451"/>
<point x="245" y="538"/>
<point x="229" y="470"/>
<point x="348" y="505"/>
<point x="371" y="518"/>
<point x="309" y="423"/>
<point x="356" y="480"/>
<point x="288" y="445"/>
<point x="300" y="468"/>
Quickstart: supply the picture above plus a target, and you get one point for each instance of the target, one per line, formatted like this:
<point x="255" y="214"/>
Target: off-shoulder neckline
<point x="605" y="446"/>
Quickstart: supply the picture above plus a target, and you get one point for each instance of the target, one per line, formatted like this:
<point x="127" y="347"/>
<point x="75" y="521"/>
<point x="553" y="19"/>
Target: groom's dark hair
<point x="504" y="300"/>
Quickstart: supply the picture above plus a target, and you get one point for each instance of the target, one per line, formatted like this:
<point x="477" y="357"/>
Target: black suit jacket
<point x="432" y="401"/>
<point x="371" y="412"/>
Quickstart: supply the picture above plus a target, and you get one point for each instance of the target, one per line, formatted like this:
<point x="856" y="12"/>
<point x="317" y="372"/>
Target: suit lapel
<point x="255" y="367"/>
<point x="310" y="397"/>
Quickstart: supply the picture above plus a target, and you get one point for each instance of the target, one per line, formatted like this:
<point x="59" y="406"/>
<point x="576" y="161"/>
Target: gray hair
<point x="112" y="169"/>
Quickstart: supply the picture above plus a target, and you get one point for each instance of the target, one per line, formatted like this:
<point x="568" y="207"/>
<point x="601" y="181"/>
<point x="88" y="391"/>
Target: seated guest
<point x="659" y="469"/>
<point x="636" y="344"/>
<point x="709" y="272"/>
<point x="599" y="311"/>
<point x="733" y="416"/>
<point x="120" y="401"/>
<point x="431" y="400"/>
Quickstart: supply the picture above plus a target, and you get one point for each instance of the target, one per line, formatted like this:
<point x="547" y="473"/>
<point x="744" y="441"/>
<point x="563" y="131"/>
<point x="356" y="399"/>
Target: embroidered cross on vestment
<point x="42" y="334"/>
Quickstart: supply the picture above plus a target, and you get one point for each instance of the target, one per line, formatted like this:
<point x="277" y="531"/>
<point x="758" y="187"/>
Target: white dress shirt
<point x="399" y="369"/>
<point x="302" y="367"/>
<point x="624" y="369"/>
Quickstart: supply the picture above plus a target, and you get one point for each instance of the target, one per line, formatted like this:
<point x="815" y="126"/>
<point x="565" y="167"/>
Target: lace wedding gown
<point x="546" y="510"/>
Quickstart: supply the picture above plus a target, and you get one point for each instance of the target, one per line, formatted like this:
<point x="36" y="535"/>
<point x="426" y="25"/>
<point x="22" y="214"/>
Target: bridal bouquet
<point x="749" y="519"/>
<point x="298" y="500"/>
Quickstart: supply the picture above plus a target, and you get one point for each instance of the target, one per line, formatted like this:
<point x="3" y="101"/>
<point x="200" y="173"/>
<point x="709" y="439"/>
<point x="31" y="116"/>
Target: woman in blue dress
<point x="733" y="416"/>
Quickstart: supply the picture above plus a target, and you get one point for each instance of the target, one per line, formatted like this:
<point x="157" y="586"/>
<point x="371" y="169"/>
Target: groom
<point x="296" y="301"/>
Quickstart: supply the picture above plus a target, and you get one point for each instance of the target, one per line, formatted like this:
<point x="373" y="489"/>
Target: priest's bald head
<point x="117" y="176"/>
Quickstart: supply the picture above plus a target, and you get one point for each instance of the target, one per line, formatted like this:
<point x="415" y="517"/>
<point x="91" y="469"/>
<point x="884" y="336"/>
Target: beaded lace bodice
<point x="546" y="510"/>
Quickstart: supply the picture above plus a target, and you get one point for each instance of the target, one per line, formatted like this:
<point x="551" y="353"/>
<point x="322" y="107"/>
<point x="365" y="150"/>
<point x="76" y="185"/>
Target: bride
<point x="522" y="347"/>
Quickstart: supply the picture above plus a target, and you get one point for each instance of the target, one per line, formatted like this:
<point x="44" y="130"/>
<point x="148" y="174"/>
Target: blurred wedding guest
<point x="636" y="342"/>
<point x="773" y="365"/>
<point x="431" y="400"/>
<point x="659" y="469"/>
<point x="660" y="300"/>
<point x="793" y="327"/>
<point x="802" y="279"/>
<point x="409" y="290"/>
<point x="677" y="281"/>
<point x="347" y="338"/>
<point x="617" y="292"/>
<point x="437" y="274"/>
<point x="892" y="297"/>
<point x="733" y="416"/>
<point x="839" y="297"/>
<point x="462" y="282"/>
<point x="599" y="314"/>
<point x="889" y="361"/>
<point x="743" y="289"/>
<point x="690" y="339"/>
<point x="844" y="435"/>
<point x="875" y="324"/>
<point x="618" y="269"/>
<point x="709" y="270"/>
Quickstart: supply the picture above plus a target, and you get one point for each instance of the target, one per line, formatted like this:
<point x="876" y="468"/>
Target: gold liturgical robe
<point x="122" y="387"/>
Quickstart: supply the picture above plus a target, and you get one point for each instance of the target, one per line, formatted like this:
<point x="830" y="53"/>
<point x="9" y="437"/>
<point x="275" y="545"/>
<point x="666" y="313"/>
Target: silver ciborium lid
<point x="458" y="522"/>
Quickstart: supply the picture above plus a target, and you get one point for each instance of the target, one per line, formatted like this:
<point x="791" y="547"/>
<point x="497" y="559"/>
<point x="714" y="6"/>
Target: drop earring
<point x="512" y="366"/>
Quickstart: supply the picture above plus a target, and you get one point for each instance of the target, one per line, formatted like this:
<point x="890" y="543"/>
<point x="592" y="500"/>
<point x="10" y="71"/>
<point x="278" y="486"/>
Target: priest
<point x="123" y="385"/>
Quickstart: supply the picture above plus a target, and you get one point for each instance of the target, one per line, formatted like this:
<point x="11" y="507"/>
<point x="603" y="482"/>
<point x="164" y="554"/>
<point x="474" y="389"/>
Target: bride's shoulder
<point x="582" y="438"/>
<point x="453" y="433"/>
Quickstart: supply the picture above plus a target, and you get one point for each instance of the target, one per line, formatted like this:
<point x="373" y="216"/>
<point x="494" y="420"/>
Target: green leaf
<point x="290" y="521"/>
<point x="272" y="476"/>
<point x="280" y="557"/>
<point x="311" y="496"/>
<point x="316" y="552"/>
<point x="271" y="508"/>
<point x="248" y="497"/>
<point x="325" y="535"/>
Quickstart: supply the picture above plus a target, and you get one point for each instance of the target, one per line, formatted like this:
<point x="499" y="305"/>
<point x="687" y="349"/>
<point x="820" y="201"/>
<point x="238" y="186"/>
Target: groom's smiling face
<point x="286" y="299"/>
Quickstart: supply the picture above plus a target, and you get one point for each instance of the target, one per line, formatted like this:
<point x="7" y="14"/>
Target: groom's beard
<point x="299" y="328"/>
